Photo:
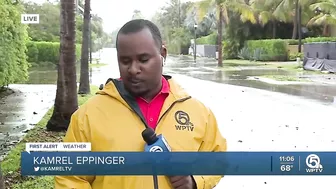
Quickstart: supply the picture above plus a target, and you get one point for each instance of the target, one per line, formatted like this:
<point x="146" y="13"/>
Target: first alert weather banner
<point x="77" y="159"/>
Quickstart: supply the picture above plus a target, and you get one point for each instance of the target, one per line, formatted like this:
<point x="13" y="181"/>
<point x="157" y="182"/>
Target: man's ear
<point x="164" y="52"/>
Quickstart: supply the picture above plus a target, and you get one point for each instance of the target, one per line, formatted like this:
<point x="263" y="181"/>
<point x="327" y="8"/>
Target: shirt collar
<point x="165" y="86"/>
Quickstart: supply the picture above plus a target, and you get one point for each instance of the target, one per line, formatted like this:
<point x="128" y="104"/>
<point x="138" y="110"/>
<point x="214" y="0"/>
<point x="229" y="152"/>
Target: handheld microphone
<point x="154" y="144"/>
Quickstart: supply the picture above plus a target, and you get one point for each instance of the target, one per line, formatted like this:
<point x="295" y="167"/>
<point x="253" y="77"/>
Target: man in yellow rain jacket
<point x="114" y="119"/>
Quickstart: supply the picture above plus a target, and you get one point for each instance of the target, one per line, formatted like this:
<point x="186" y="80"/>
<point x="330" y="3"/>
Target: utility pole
<point x="195" y="50"/>
<point x="299" y="28"/>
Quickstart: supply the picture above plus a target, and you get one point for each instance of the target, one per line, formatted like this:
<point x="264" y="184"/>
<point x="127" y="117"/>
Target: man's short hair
<point x="137" y="25"/>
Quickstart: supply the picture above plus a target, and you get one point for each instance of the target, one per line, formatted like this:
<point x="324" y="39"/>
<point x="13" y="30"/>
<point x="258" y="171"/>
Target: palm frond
<point x="321" y="20"/>
<point x="289" y="4"/>
<point x="331" y="20"/>
<point x="203" y="8"/>
<point x="225" y="15"/>
<point x="318" y="20"/>
<point x="264" y="17"/>
<point x="246" y="12"/>
<point x="280" y="11"/>
<point x="326" y="7"/>
<point x="312" y="21"/>
<point x="257" y="5"/>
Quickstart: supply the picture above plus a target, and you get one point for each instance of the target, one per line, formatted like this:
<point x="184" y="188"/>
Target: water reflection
<point x="207" y="70"/>
<point x="22" y="110"/>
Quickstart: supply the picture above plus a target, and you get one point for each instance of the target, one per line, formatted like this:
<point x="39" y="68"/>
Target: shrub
<point x="230" y="48"/>
<point x="244" y="54"/>
<point x="207" y="40"/>
<point x="268" y="50"/>
<point x="320" y="39"/>
<point x="13" y="37"/>
<point x="310" y="40"/>
<point x="293" y="56"/>
<point x="32" y="52"/>
<point x="292" y="41"/>
<point x="46" y="52"/>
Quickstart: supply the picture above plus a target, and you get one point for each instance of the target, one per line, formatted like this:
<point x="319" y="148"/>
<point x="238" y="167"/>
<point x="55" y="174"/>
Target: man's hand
<point x="182" y="182"/>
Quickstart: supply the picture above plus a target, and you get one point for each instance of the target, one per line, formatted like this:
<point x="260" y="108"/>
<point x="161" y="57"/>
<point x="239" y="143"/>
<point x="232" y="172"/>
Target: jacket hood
<point x="115" y="89"/>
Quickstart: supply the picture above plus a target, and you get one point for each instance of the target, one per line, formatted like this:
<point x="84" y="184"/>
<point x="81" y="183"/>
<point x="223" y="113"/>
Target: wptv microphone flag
<point x="178" y="163"/>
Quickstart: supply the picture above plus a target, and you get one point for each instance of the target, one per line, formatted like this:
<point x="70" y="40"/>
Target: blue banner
<point x="178" y="163"/>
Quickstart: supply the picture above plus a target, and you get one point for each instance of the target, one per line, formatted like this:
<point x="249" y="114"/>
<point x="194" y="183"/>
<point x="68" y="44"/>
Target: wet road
<point x="257" y="120"/>
<point x="251" y="119"/>
<point x="248" y="75"/>
<point x="22" y="110"/>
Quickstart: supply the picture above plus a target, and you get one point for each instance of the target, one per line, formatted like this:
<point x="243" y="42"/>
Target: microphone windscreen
<point x="149" y="136"/>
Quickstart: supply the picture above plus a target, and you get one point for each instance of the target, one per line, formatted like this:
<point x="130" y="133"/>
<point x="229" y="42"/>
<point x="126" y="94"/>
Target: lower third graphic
<point x="313" y="163"/>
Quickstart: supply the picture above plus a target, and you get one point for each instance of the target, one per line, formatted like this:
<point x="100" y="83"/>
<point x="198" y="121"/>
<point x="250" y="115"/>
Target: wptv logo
<point x="314" y="163"/>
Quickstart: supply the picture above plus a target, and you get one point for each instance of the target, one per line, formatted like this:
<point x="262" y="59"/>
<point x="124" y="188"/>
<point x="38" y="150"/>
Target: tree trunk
<point x="66" y="93"/>
<point x="295" y="20"/>
<point x="220" y="37"/>
<point x="84" y="85"/>
<point x="274" y="27"/>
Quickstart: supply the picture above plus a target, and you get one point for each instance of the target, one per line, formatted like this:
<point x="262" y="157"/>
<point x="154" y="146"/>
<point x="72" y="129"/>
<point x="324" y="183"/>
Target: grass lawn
<point x="11" y="164"/>
<point x="49" y="64"/>
<point x="284" y="78"/>
<point x="288" y="66"/>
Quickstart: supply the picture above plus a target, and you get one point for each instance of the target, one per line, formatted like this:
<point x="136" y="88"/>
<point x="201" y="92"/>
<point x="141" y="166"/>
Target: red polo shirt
<point x="151" y="110"/>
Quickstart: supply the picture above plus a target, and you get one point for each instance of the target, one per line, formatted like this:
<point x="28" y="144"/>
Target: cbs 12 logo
<point x="313" y="163"/>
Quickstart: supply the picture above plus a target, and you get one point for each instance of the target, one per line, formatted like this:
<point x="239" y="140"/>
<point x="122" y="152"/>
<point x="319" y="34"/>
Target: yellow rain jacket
<point x="110" y="122"/>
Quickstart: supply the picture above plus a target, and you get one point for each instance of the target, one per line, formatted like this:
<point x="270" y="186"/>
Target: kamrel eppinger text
<point x="66" y="160"/>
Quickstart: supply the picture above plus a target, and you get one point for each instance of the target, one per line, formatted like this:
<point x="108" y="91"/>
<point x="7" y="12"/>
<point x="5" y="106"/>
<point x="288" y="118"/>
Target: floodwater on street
<point x="256" y="120"/>
<point x="206" y="70"/>
<point x="21" y="110"/>
<point x="252" y="115"/>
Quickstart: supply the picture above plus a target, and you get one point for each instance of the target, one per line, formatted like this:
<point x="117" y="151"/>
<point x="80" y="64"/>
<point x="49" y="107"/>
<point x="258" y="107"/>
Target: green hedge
<point x="212" y="40"/>
<point x="275" y="49"/>
<point x="13" y="36"/>
<point x="46" y="52"/>
<point x="207" y="40"/>
<point x="320" y="39"/>
<point x="310" y="40"/>
<point x="265" y="50"/>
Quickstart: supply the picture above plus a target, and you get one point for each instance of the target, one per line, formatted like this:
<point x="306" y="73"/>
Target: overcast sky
<point x="117" y="12"/>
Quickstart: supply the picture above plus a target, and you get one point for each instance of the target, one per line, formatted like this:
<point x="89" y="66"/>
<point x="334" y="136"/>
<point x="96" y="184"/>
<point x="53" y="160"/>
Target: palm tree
<point x="269" y="11"/>
<point x="326" y="14"/>
<point x="292" y="7"/>
<point x="223" y="8"/>
<point x="84" y="85"/>
<point x="66" y="94"/>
